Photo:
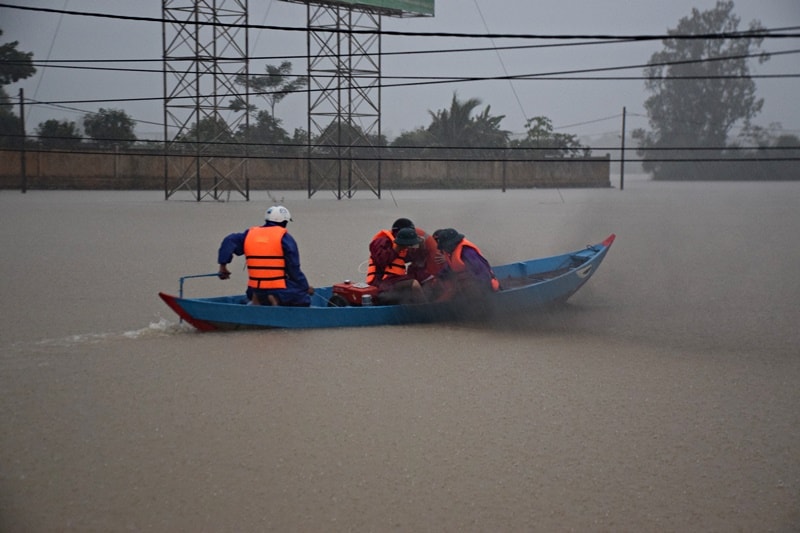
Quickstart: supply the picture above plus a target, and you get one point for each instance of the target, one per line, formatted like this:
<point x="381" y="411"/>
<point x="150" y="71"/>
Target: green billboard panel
<point x="419" y="7"/>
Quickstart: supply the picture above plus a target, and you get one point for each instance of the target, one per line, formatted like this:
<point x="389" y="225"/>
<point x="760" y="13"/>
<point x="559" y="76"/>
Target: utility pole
<point x="22" y="169"/>
<point x="622" y="155"/>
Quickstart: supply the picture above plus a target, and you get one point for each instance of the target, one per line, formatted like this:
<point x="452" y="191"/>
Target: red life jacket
<point x="266" y="266"/>
<point x="396" y="268"/>
<point x="460" y="269"/>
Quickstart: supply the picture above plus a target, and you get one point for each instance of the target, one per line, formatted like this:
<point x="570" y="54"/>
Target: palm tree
<point x="455" y="127"/>
<point x="276" y="85"/>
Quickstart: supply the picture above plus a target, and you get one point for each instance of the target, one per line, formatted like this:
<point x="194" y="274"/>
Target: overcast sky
<point x="584" y="108"/>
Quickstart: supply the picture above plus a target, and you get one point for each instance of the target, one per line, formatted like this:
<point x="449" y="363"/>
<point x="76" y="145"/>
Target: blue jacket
<point x="296" y="291"/>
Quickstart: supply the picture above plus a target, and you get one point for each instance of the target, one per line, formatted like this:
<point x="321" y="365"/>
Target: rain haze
<point x="589" y="109"/>
<point x="663" y="396"/>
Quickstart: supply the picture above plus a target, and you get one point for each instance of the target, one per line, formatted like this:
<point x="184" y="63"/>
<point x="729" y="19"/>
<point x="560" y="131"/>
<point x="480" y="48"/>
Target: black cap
<point x="407" y="237"/>
<point x="447" y="239"/>
<point x="401" y="223"/>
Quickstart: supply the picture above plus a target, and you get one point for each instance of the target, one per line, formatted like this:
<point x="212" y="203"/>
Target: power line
<point x="789" y="33"/>
<point x="562" y="75"/>
<point x="435" y="81"/>
<point x="587" y="122"/>
<point x="50" y="50"/>
<point x="51" y="64"/>
<point x="503" y="65"/>
<point x="382" y="53"/>
<point x="357" y="54"/>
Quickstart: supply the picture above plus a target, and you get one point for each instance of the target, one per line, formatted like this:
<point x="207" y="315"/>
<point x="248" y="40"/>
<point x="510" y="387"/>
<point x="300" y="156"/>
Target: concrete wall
<point x="65" y="170"/>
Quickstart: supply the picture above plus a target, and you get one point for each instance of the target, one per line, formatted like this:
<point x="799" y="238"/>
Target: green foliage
<point x="760" y="154"/>
<point x="457" y="128"/>
<point x="211" y="129"/>
<point x="267" y="130"/>
<point x="264" y="134"/>
<point x="455" y="133"/>
<point x="546" y="143"/>
<point x="9" y="123"/>
<point x="300" y="136"/>
<point x="273" y="87"/>
<point x="58" y="134"/>
<point x="14" y="65"/>
<point x="109" y="127"/>
<point x="342" y="134"/>
<point x="697" y="97"/>
<point x="487" y="128"/>
<point x="788" y="141"/>
<point x="415" y="138"/>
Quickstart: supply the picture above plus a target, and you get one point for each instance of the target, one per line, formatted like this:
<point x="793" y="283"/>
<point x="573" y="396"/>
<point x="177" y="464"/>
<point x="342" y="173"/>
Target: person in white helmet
<point x="273" y="261"/>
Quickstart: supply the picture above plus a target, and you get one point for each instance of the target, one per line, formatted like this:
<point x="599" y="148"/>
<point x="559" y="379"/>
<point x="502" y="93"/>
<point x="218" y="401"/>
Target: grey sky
<point x="585" y="108"/>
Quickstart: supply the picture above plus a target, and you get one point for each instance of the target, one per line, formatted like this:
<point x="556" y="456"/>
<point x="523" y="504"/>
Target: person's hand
<point x="439" y="258"/>
<point x="224" y="273"/>
<point x="310" y="290"/>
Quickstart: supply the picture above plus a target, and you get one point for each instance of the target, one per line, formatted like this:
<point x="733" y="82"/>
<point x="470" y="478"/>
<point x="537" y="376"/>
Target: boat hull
<point x="527" y="285"/>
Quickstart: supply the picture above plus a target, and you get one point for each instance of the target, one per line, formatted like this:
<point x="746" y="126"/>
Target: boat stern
<point x="176" y="306"/>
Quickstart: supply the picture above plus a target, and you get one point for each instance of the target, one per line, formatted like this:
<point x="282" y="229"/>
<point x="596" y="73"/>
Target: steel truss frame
<point x="205" y="50"/>
<point x="344" y="99"/>
<point x="344" y="95"/>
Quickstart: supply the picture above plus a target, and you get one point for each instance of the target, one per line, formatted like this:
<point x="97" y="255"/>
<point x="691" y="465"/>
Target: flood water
<point x="665" y="396"/>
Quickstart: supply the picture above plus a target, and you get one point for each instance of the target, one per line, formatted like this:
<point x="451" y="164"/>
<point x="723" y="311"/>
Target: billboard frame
<point x="422" y="8"/>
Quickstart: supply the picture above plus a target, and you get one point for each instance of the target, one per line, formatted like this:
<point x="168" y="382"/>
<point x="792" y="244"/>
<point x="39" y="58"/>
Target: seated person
<point x="273" y="262"/>
<point x="397" y="264"/>
<point x="466" y="272"/>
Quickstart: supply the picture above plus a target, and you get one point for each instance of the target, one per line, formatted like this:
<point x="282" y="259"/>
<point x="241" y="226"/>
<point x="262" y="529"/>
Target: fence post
<point x="622" y="155"/>
<point x="22" y="169"/>
<point x="505" y="164"/>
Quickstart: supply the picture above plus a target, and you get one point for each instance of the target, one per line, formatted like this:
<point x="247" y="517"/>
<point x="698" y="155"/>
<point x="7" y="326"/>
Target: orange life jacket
<point x="460" y="269"/>
<point x="431" y="252"/>
<point x="266" y="266"/>
<point x="396" y="268"/>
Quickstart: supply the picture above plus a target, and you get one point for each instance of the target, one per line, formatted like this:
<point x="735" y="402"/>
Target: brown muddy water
<point x="665" y="396"/>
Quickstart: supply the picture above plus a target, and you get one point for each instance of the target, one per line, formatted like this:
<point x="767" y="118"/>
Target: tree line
<point x="700" y="90"/>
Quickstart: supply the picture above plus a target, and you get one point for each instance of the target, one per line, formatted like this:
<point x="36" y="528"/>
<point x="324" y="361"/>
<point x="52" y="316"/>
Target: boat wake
<point x="162" y="328"/>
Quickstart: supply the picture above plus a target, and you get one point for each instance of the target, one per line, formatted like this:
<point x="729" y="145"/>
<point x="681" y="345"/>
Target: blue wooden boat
<point x="525" y="286"/>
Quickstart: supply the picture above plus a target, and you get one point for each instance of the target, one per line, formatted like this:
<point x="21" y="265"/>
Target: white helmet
<point x="278" y="213"/>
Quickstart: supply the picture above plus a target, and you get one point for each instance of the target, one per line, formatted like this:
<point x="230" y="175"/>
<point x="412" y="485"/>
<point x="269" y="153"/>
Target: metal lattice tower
<point x="344" y="100"/>
<point x="344" y="94"/>
<point x="205" y="50"/>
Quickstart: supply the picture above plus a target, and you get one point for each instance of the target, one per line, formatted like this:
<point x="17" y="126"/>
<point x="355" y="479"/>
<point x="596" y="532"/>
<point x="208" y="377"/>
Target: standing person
<point x="273" y="261"/>
<point x="466" y="270"/>
<point x="389" y="253"/>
